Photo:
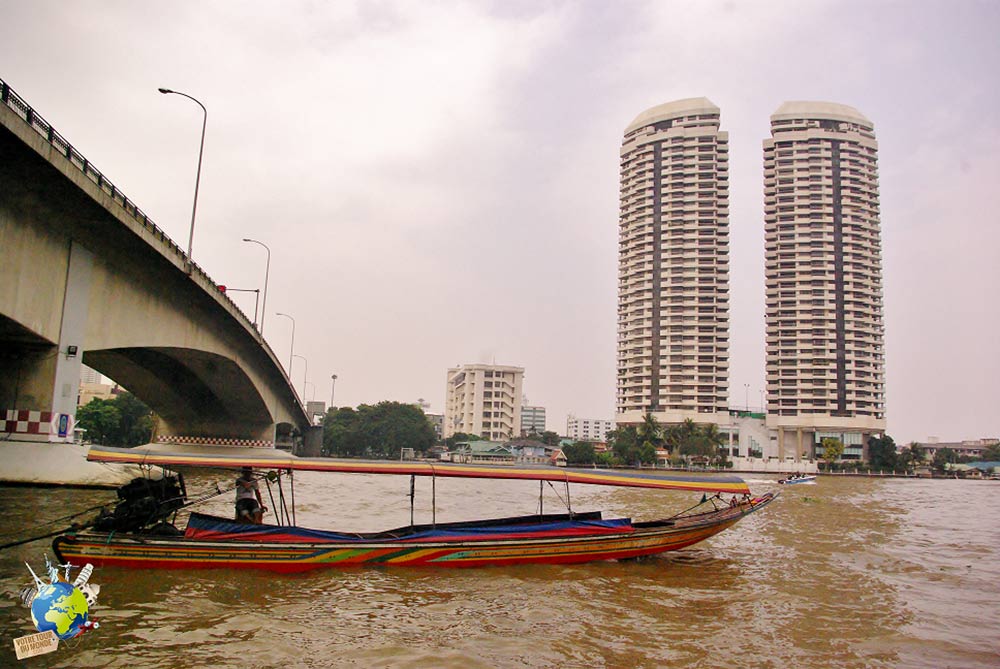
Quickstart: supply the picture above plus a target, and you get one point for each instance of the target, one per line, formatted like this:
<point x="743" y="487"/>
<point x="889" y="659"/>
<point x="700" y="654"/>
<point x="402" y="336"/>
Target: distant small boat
<point x="798" y="478"/>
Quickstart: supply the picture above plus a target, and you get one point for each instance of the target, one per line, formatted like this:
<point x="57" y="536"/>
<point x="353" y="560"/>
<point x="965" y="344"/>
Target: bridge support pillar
<point x="41" y="405"/>
<point x="312" y="444"/>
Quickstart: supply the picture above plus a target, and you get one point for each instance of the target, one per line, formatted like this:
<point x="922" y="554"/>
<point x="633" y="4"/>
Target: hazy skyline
<point x="438" y="182"/>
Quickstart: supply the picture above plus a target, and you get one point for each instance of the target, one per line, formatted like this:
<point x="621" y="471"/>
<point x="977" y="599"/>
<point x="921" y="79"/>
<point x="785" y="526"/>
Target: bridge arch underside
<point x="193" y="393"/>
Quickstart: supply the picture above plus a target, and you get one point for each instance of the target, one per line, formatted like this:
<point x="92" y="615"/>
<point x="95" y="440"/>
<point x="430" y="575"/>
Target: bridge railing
<point x="18" y="105"/>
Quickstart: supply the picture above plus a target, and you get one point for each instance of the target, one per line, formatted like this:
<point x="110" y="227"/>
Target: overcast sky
<point x="438" y="181"/>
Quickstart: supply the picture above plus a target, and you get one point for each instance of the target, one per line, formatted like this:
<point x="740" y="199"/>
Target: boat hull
<point x="638" y="540"/>
<point x="803" y="479"/>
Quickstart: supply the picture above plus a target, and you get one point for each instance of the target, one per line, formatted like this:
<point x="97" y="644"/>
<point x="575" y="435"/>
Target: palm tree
<point x="712" y="439"/>
<point x="649" y="430"/>
<point x="688" y="438"/>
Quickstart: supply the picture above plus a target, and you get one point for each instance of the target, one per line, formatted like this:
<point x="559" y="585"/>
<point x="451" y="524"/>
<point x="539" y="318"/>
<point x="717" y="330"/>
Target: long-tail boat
<point x="141" y="532"/>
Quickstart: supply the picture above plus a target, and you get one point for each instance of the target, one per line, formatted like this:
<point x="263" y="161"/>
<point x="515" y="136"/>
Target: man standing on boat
<point x="249" y="505"/>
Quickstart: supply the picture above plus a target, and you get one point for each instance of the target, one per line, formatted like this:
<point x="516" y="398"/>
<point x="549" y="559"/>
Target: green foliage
<point x="694" y="440"/>
<point x="459" y="438"/>
<point x="722" y="457"/>
<point x="992" y="453"/>
<point x="832" y="449"/>
<point x="942" y="458"/>
<point x="580" y="453"/>
<point x="624" y="443"/>
<point x="378" y="431"/>
<point x="100" y="418"/>
<point x="638" y="444"/>
<point x="882" y="453"/>
<point x="340" y="433"/>
<point x="650" y="432"/>
<point x="606" y="459"/>
<point x="549" y="438"/>
<point x="123" y="421"/>
<point x="647" y="453"/>
<point x="911" y="457"/>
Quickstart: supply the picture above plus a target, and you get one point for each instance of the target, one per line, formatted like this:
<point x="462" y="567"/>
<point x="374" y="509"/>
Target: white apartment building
<point x="88" y="375"/>
<point x="437" y="422"/>
<point x="673" y="266"/>
<point x="588" y="429"/>
<point x="484" y="400"/>
<point x="532" y="420"/>
<point x="823" y="268"/>
<point x="90" y="391"/>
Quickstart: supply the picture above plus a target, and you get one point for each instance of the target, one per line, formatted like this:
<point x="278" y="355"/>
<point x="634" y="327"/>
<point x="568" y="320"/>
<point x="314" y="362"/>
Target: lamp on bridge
<point x="197" y="179"/>
<point x="267" y="270"/>
<point x="305" y="374"/>
<point x="255" y="301"/>
<point x="291" y="348"/>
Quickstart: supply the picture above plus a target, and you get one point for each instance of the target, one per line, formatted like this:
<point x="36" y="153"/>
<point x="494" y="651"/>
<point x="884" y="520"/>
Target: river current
<point x="850" y="572"/>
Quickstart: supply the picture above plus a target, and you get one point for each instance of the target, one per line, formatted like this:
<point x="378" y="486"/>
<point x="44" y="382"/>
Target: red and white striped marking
<point x="214" y="441"/>
<point x="26" y="421"/>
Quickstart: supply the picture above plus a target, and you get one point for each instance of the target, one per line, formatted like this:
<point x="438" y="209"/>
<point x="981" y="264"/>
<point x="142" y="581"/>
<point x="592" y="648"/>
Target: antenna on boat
<point x="569" y="503"/>
<point x="413" y="492"/>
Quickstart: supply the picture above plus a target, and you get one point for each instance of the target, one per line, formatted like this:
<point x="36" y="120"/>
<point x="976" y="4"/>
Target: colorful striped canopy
<point x="169" y="455"/>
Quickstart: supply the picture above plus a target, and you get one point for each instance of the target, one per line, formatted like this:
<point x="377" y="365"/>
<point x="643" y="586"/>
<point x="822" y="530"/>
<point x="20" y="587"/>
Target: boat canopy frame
<point x="283" y="463"/>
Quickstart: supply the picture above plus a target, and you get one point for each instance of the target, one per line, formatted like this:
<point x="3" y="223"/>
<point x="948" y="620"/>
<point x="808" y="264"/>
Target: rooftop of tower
<point x="671" y="110"/>
<point x="819" y="110"/>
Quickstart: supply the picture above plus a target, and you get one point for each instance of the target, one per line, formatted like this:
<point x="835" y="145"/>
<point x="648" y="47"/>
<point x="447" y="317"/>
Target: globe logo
<point x="60" y="607"/>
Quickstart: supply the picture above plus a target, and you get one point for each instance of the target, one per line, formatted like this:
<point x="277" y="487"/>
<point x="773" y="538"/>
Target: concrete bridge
<point x="87" y="277"/>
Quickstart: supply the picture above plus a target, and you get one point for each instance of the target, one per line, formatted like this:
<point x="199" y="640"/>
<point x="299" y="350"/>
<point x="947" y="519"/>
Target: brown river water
<point x="850" y="572"/>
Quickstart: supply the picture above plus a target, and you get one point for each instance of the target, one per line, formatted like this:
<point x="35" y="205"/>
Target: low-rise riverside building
<point x="969" y="448"/>
<point x="588" y="429"/>
<point x="484" y="400"/>
<point x="532" y="420"/>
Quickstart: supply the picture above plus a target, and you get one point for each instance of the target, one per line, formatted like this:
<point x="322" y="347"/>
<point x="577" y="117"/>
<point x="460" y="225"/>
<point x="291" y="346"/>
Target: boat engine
<point x="145" y="505"/>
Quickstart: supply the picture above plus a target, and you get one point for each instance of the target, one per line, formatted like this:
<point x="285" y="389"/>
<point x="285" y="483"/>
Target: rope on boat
<point x="71" y="528"/>
<point x="705" y="499"/>
<point x="566" y="501"/>
<point x="267" y="482"/>
<point x="56" y="520"/>
<point x="75" y="527"/>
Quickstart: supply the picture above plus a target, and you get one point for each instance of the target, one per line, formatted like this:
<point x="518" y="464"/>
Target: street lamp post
<point x="305" y="374"/>
<point x="267" y="271"/>
<point x="256" y="299"/>
<point x="747" y="386"/>
<point x="291" y="348"/>
<point x="197" y="180"/>
<point x="333" y="385"/>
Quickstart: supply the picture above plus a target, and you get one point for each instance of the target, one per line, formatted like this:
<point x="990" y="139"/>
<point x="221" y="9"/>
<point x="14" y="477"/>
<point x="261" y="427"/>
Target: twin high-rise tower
<point x="825" y="364"/>
<point x="673" y="265"/>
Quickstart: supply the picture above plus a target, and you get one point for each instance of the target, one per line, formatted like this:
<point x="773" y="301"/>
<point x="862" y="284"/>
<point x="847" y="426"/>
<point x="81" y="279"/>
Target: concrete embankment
<point x="42" y="463"/>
